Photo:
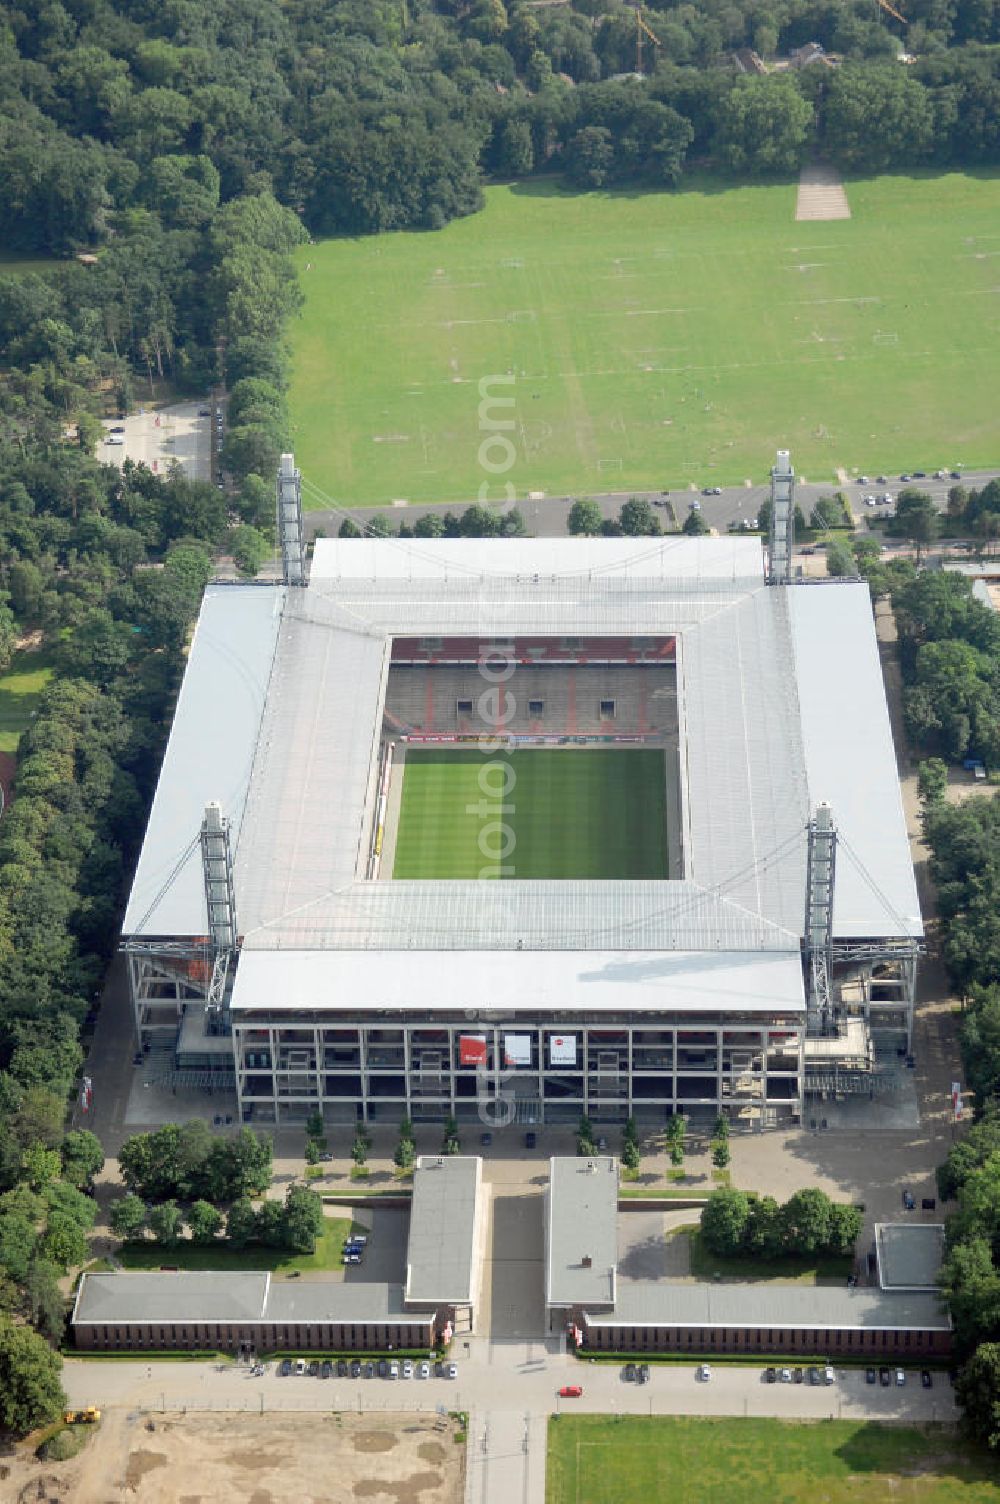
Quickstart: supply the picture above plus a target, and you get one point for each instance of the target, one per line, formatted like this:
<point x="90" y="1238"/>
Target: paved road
<point x="513" y="1378"/>
<point x="547" y="519"/>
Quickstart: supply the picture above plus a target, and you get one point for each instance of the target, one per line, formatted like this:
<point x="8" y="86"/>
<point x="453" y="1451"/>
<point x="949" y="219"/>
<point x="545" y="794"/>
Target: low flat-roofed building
<point x="233" y="1311"/>
<point x="444" y="1251"/>
<point x="581" y="1236"/>
<point x="909" y="1254"/>
<point x="809" y="1321"/>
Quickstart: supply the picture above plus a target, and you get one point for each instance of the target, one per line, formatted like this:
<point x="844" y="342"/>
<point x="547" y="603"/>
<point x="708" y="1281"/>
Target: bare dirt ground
<point x="821" y="193"/>
<point x="202" y="1459"/>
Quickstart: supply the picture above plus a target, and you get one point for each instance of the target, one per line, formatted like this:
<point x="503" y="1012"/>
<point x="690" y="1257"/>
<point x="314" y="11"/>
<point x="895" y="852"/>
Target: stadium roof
<point x="443" y="1244"/>
<point x="581" y="1231"/>
<point x="780" y="700"/>
<point x="783" y="1307"/>
<point x="545" y="982"/>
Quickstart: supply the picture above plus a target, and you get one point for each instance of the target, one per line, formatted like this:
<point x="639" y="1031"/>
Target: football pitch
<point x="599" y="1460"/>
<point x="568" y="814"/>
<point x="651" y="340"/>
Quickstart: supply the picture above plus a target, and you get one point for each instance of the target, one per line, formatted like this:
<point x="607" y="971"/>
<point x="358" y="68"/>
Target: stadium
<point x="517" y="829"/>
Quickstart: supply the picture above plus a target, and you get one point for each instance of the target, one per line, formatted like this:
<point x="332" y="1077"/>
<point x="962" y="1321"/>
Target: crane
<point x="891" y="9"/>
<point x="642" y="29"/>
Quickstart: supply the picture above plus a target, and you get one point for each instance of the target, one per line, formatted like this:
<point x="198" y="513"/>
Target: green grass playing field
<point x="594" y="1459"/>
<point x="576" y="814"/>
<point x="656" y="340"/>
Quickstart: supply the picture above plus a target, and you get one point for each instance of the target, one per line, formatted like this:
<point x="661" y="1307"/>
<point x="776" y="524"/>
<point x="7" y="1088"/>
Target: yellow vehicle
<point x="90" y="1416"/>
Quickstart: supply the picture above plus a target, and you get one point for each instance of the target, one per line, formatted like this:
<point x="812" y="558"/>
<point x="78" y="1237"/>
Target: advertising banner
<point x="472" y="1049"/>
<point x="562" y="1049"/>
<point x="517" y="1049"/>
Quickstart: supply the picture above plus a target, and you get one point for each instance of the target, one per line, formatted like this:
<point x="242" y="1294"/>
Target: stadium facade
<point x="270" y="946"/>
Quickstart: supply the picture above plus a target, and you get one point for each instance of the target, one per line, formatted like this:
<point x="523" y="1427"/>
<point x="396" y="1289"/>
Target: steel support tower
<point x="220" y="899"/>
<point x="290" y="540"/>
<point x="782" y="531"/>
<point x="820" y="873"/>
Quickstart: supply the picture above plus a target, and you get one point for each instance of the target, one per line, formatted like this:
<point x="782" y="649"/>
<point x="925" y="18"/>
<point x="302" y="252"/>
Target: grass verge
<point x="20" y="690"/>
<point x="327" y="1256"/>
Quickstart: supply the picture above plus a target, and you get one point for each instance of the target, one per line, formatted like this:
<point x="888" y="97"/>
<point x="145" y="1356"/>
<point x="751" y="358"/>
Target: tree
<point x="638" y="518"/>
<point x="721" y="1128"/>
<point x="807" y="1219"/>
<point x="451" y="1143"/>
<point x="430" y="525"/>
<point x="630" y="1133"/>
<point x="585" y="1146"/>
<point x="45" y="1303"/>
<point x="764" y="126"/>
<point x="829" y="511"/>
<point x="204" y="1222"/>
<point x="349" y="529"/>
<point x="765" y="1228"/>
<point x="840" y="561"/>
<point x="82" y="1158"/>
<point x="584" y="518"/>
<point x="40" y="1165"/>
<point x="589" y="156"/>
<point x="63" y="1243"/>
<point x="359" y="1149"/>
<point x="303" y="1219"/>
<point x="251" y="1163"/>
<point x="127" y="1217"/>
<point x="724" y="1220"/>
<point x="166" y="1223"/>
<point x="970" y="1152"/>
<point x="915" y="518"/>
<point x="250" y="549"/>
<point x="977" y="1390"/>
<point x="630" y="1154"/>
<point x="932" y="779"/>
<point x="720" y="1155"/>
<point x="241" y="1223"/>
<point x="845" y="1228"/>
<point x="694" y="524"/>
<point x="30" y="1390"/>
<point x="406" y="1151"/>
<point x="379" y="526"/>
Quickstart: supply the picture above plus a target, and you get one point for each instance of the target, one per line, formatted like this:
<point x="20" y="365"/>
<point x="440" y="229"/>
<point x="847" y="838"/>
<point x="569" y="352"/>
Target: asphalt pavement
<point x="736" y="504"/>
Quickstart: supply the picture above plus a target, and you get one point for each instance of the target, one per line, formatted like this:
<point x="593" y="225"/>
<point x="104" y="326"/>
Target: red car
<point x="571" y="1391"/>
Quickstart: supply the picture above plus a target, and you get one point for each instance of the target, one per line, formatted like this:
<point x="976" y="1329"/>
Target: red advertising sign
<point x="472" y="1049"/>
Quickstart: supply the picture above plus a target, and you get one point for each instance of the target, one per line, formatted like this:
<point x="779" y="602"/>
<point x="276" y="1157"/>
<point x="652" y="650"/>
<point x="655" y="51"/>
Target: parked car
<point x="356" y="1369"/>
<point x="642" y="1373"/>
<point x="314" y="1368"/>
<point x="628" y="1372"/>
<point x="300" y="1367"/>
<point x="704" y="1372"/>
<point x="905" y="478"/>
<point x="117" y="428"/>
<point x="814" y="1376"/>
<point x="407" y="1369"/>
<point x="453" y="1370"/>
<point x="881" y="480"/>
<point x="383" y="1368"/>
<point x="529" y="1140"/>
<point x="909" y="1201"/>
<point x="571" y="1391"/>
<point x="770" y="1375"/>
<point x="883" y="1377"/>
<point x="114" y="438"/>
<point x="326" y="1369"/>
<point x="353" y="1257"/>
<point x="797" y="1375"/>
<point x="900" y="1378"/>
<point x="369" y="1370"/>
<point x="870" y="1376"/>
<point x="285" y="1367"/>
<point x="394" y="1370"/>
<point x="204" y="412"/>
<point x="358" y="1239"/>
<point x="920" y="475"/>
<point x="486" y="1139"/>
<point x="925" y="1378"/>
<point x="423" y="1371"/>
<point x="829" y="1377"/>
<point x="343" y="1368"/>
<point x="956" y="475"/>
<point x="785" y="1375"/>
<point x="439" y="1370"/>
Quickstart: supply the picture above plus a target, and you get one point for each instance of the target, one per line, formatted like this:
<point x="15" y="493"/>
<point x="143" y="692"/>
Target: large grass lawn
<point x="20" y="689"/>
<point x="593" y="1459"/>
<point x="571" y="814"/>
<point x="656" y="340"/>
<point x="329" y="1247"/>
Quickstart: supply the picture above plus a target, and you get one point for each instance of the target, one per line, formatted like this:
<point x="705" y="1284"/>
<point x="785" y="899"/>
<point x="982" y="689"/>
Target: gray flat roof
<point x="909" y="1254"/>
<point x="442" y="1246"/>
<point x="175" y="1296"/>
<point x="780" y="1307"/>
<point x="581" y="1231"/>
<point x="238" y="1296"/>
<point x="781" y="705"/>
<point x="209" y="755"/>
<point x="547" y="982"/>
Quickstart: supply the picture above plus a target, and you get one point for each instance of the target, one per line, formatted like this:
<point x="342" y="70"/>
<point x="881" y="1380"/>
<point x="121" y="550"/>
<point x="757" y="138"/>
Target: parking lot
<point x="158" y="438"/>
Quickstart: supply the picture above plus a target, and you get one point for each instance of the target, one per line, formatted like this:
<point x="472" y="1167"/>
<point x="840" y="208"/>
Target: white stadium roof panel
<point x="780" y="701"/>
<point x="520" y="981"/>
<point x="209" y="754"/>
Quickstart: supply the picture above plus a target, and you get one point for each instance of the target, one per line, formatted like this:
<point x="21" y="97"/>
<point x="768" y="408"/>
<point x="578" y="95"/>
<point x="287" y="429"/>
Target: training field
<point x="574" y="814"/>
<point x="597" y="1460"/>
<point x="656" y="340"/>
